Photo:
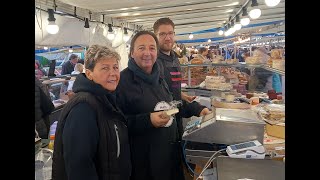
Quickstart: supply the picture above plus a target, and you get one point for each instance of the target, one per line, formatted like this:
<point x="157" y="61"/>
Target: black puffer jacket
<point x="91" y="137"/>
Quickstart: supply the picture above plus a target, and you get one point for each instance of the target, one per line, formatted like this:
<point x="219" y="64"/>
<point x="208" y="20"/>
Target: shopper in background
<point x="68" y="66"/>
<point x="170" y="69"/>
<point x="202" y="54"/>
<point x="39" y="71"/>
<point x="78" y="68"/>
<point x="43" y="108"/>
<point x="141" y="95"/>
<point x="91" y="140"/>
<point x="81" y="61"/>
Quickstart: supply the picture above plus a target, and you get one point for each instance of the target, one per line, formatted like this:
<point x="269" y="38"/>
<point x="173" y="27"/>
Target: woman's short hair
<point x="97" y="52"/>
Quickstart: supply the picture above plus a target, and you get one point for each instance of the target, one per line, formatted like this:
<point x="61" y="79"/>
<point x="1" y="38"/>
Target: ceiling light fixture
<point x="52" y="27"/>
<point x="245" y="19"/>
<point x="86" y="23"/>
<point x="238" y="25"/>
<point x="126" y="36"/>
<point x="111" y="34"/>
<point x="272" y="3"/>
<point x="256" y="12"/>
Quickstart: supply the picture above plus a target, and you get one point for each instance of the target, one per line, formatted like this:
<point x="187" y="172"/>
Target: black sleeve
<point x="139" y="124"/>
<point x="46" y="104"/>
<point x="80" y="140"/>
<point x="64" y="69"/>
<point x="190" y="109"/>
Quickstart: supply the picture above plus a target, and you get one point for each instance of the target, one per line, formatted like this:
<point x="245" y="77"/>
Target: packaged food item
<point x="273" y="113"/>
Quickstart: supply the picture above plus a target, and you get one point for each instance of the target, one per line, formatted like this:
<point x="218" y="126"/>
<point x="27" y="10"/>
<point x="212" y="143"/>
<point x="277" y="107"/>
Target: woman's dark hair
<point x="133" y="40"/>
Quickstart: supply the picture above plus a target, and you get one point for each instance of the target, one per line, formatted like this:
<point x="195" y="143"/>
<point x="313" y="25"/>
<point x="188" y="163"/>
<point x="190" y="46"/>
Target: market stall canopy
<point x="189" y="16"/>
<point x="202" y="18"/>
<point x="71" y="32"/>
<point x="54" y="55"/>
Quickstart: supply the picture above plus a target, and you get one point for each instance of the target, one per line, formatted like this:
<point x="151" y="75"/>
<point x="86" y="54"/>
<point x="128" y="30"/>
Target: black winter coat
<point x="154" y="151"/>
<point x="91" y="140"/>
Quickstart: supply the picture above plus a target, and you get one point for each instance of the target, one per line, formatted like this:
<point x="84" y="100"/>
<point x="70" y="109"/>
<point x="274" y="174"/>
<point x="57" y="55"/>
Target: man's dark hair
<point x="162" y="21"/>
<point x="73" y="56"/>
<point x="202" y="49"/>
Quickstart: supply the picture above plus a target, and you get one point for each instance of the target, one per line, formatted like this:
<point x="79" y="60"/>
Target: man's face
<point x="165" y="36"/>
<point x="145" y="52"/>
<point x="74" y="60"/>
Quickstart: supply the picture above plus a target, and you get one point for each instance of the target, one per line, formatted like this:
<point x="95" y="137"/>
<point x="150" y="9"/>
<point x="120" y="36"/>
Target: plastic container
<point x="53" y="128"/>
<point x="51" y="143"/>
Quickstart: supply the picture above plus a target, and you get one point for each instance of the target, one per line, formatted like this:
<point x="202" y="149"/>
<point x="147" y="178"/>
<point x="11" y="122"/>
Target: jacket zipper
<point x="118" y="141"/>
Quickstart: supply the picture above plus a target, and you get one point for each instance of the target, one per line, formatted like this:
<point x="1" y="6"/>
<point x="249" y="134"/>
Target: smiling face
<point x="106" y="73"/>
<point x="145" y="52"/>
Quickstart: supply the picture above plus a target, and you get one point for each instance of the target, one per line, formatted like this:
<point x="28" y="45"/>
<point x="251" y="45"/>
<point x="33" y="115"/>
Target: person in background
<point x="81" y="61"/>
<point x="78" y="68"/>
<point x="264" y="80"/>
<point x="202" y="54"/>
<point x="91" y="140"/>
<point x="43" y="108"/>
<point x="68" y="66"/>
<point x="237" y="54"/>
<point x="39" y="71"/>
<point x="226" y="54"/>
<point x="192" y="54"/>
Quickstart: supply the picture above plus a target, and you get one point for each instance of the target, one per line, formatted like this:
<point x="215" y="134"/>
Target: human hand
<point x="187" y="98"/>
<point x="70" y="94"/>
<point x="204" y="111"/>
<point x="159" y="119"/>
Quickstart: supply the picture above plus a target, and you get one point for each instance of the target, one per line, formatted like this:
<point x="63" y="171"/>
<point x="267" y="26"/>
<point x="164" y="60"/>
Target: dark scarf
<point x="152" y="78"/>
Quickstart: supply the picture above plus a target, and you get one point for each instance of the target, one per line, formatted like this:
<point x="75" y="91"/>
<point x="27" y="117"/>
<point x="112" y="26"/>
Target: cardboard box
<point x="276" y="130"/>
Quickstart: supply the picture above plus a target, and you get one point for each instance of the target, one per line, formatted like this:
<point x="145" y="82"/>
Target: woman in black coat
<point x="91" y="140"/>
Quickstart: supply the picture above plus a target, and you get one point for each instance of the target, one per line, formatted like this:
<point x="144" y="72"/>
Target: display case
<point x="259" y="77"/>
<point x="57" y="89"/>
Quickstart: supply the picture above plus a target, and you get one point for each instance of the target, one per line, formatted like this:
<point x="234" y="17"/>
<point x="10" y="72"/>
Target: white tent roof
<point x="71" y="32"/>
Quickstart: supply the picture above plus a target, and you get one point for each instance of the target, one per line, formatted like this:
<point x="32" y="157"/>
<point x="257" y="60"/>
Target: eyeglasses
<point x="164" y="35"/>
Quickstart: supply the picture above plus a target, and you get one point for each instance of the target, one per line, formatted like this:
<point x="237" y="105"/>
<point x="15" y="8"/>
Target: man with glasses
<point x="170" y="70"/>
